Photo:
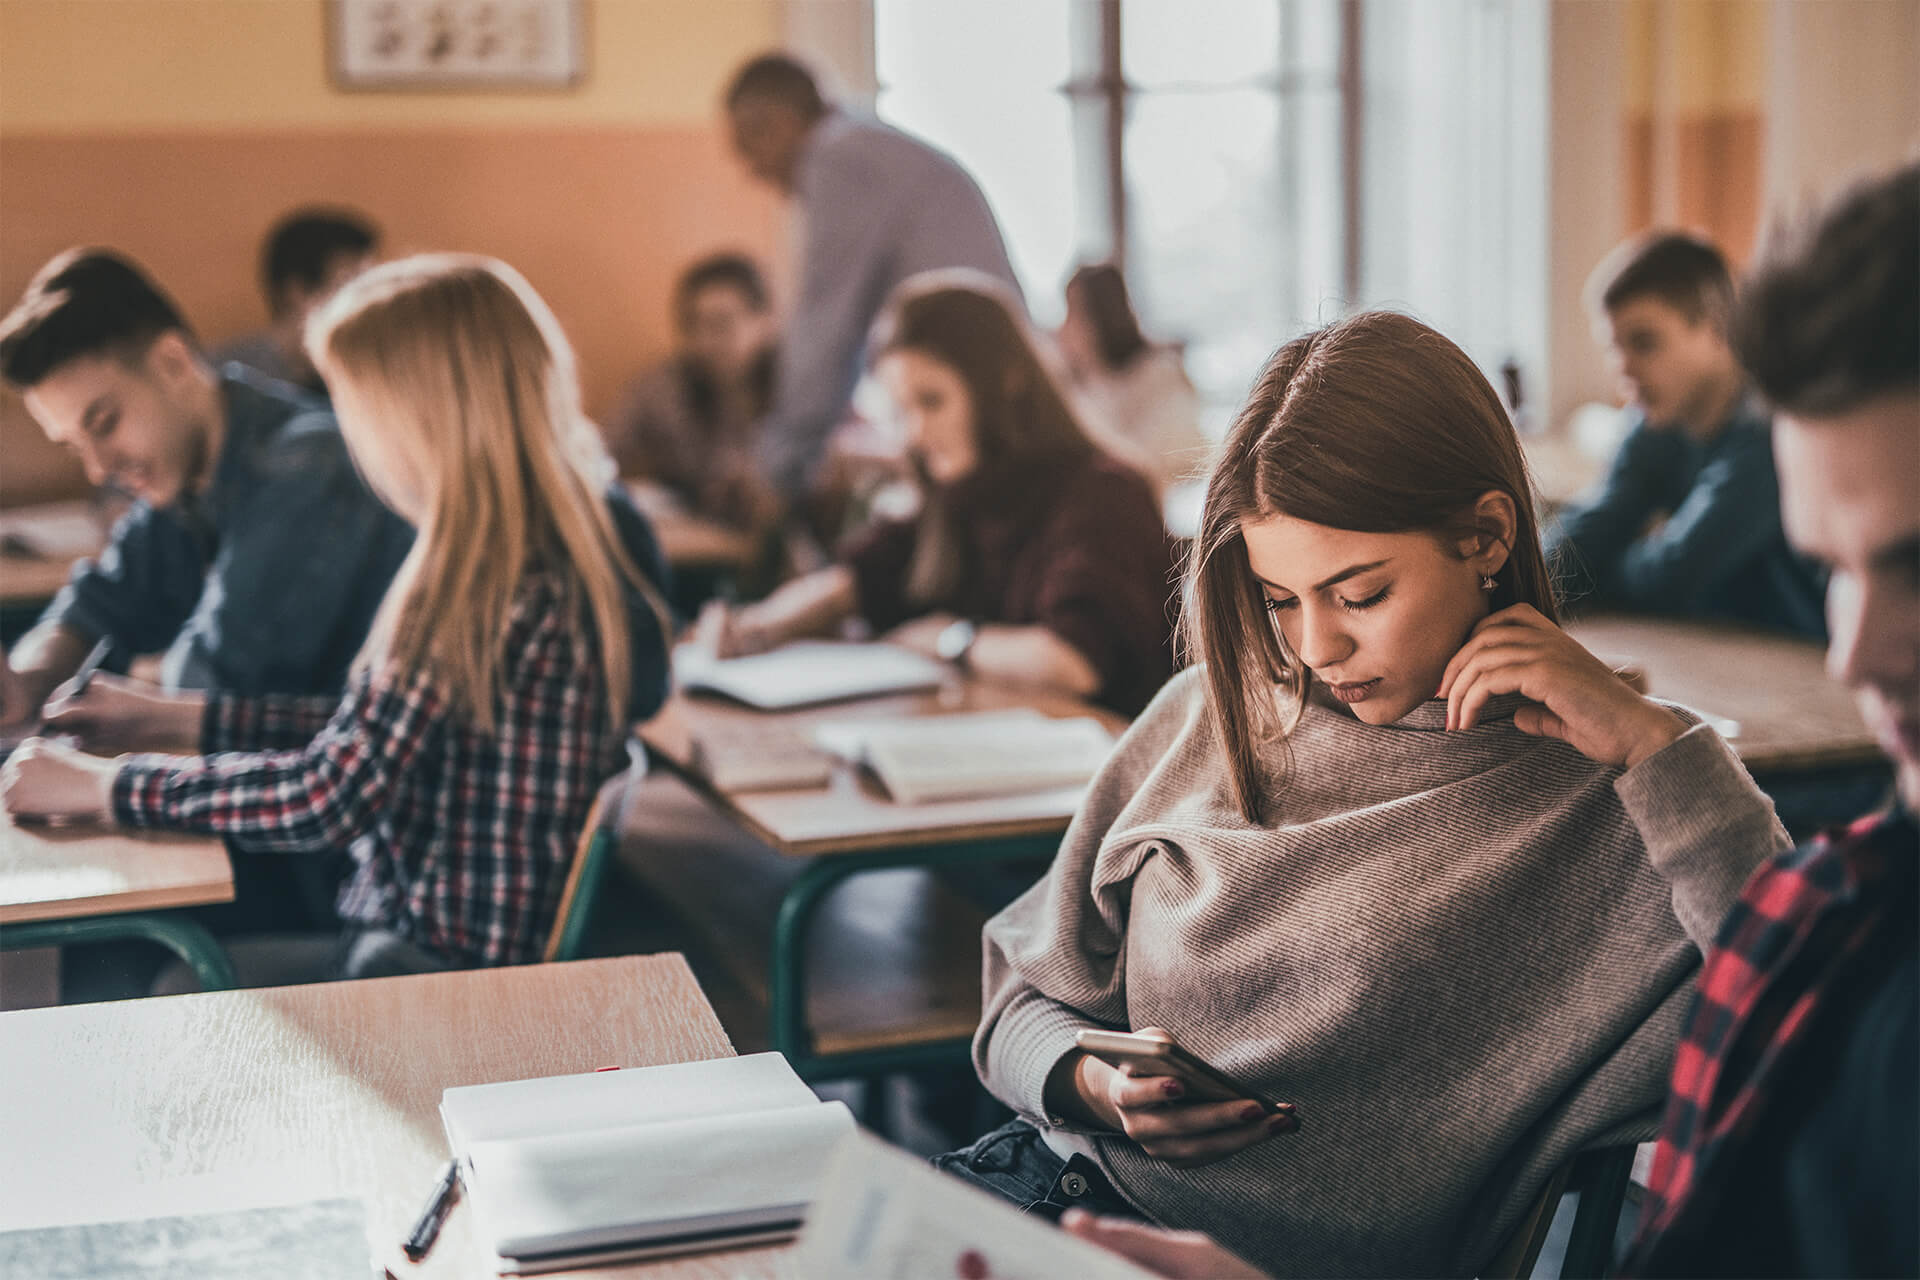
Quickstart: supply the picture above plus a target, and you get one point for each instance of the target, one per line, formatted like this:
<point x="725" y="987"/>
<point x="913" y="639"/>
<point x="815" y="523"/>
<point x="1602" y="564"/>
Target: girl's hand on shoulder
<point x="1155" y="1112"/>
<point x="1579" y="700"/>
<point x="46" y="782"/>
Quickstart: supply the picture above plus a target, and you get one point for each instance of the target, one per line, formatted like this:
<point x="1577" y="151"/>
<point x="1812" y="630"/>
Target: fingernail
<point x="1171" y="1088"/>
<point x="1283" y="1124"/>
<point x="1252" y="1111"/>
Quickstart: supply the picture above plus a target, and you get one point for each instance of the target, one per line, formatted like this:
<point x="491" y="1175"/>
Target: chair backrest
<point x="598" y="840"/>
<point x="1600" y="1177"/>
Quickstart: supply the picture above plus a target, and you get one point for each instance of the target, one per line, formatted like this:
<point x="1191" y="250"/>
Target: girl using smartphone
<point x="493" y="695"/>
<point x="1035" y="556"/>
<point x="1399" y="853"/>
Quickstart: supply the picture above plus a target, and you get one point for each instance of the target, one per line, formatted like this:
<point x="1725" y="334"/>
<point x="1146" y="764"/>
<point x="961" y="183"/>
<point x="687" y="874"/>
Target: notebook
<point x="924" y="759"/>
<point x="614" y="1166"/>
<point x="807" y="673"/>
<point x="885" y="1215"/>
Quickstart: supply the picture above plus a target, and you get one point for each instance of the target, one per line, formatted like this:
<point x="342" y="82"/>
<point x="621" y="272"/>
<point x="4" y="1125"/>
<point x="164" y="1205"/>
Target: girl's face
<point x="936" y="411"/>
<point x="1376" y="616"/>
<point x="724" y="330"/>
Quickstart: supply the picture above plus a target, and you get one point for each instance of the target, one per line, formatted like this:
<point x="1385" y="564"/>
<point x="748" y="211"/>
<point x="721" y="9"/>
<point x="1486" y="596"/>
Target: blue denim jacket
<point x="267" y="581"/>
<point x="1720" y="552"/>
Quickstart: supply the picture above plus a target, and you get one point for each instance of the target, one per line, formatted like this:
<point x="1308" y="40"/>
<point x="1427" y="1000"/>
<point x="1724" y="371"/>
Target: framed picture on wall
<point x="457" y="44"/>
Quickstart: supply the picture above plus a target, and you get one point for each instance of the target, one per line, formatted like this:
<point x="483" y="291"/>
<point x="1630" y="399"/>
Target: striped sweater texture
<point x="1464" y="955"/>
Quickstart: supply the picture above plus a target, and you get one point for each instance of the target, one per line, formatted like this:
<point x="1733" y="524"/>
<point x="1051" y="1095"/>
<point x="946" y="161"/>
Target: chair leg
<point x="875" y="1114"/>
<point x="1602" y="1179"/>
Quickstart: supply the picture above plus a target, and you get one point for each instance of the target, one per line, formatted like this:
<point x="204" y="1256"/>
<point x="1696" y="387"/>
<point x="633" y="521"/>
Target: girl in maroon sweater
<point x="1035" y="558"/>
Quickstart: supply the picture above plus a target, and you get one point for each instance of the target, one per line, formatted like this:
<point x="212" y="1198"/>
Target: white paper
<point x="803" y="674"/>
<point x="591" y="1190"/>
<point x="925" y="759"/>
<point x="552" y="1105"/>
<point x="885" y="1215"/>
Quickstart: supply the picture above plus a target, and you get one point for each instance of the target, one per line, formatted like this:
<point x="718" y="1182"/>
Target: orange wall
<point x="131" y="123"/>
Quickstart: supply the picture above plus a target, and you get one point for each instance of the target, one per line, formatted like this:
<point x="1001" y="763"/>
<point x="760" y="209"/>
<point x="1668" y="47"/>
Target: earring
<point x="1487" y="583"/>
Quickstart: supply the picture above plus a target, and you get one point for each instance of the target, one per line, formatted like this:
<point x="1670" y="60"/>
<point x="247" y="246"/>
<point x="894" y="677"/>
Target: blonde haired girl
<point x="492" y="697"/>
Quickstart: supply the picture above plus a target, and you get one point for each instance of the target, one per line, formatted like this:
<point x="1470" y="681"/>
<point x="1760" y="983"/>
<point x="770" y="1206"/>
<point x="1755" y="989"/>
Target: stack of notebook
<point x="613" y="1166"/>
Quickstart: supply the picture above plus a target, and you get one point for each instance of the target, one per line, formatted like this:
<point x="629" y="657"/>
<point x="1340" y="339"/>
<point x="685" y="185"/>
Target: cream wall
<point x="1846" y="93"/>
<point x="76" y="66"/>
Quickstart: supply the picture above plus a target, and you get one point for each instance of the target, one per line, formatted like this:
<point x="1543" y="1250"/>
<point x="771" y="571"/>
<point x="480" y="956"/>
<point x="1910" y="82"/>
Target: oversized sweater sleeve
<point x="1706" y="826"/>
<point x="1055" y="958"/>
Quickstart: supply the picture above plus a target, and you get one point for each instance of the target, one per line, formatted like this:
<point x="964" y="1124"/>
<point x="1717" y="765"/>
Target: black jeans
<point x="1015" y="1163"/>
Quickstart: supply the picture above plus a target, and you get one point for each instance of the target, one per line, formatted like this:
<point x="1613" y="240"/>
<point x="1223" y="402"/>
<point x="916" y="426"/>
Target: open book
<point x="612" y="1166"/>
<point x="922" y="759"/>
<point x="807" y="673"/>
<point x="885" y="1215"/>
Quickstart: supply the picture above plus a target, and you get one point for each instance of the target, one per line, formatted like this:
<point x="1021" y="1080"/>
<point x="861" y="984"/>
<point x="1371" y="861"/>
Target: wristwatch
<point x="955" y="642"/>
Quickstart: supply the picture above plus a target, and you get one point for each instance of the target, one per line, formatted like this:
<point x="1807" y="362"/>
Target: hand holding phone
<point x="1177" y="1106"/>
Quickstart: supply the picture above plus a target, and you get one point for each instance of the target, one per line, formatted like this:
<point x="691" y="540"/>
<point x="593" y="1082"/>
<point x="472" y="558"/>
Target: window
<point x="1257" y="166"/>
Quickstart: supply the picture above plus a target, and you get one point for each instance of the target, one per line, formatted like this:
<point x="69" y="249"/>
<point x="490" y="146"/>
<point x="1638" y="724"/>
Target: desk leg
<point x="185" y="938"/>
<point x="787" y="982"/>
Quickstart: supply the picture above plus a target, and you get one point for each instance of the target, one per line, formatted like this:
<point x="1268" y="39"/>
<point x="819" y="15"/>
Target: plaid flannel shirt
<point x="1790" y="954"/>
<point x="461" y="840"/>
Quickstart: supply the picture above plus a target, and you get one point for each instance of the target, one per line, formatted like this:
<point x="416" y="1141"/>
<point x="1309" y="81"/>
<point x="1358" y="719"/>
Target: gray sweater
<point x="1458" y="953"/>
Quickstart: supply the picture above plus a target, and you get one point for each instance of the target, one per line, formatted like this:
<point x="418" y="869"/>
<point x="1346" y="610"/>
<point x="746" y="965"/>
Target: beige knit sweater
<point x="1458" y="953"/>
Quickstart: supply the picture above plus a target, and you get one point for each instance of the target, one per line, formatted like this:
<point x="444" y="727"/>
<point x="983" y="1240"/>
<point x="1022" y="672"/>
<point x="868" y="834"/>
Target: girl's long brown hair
<point x="1021" y="422"/>
<point x="471" y="381"/>
<point x="1377" y="424"/>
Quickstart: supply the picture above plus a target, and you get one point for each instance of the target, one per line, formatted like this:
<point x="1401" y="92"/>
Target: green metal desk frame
<point x="788" y="978"/>
<point x="186" y="938"/>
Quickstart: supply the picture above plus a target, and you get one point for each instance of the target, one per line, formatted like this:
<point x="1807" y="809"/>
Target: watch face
<point x="953" y="642"/>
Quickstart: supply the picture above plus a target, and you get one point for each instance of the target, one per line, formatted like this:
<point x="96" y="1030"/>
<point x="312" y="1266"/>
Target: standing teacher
<point x="878" y="206"/>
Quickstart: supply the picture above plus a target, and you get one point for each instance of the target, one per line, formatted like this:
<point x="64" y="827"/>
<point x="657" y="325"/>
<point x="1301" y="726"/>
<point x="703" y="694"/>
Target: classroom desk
<point x="245" y="1099"/>
<point x="851" y="826"/>
<point x="689" y="541"/>
<point x="39" y="545"/>
<point x="1789" y="717"/>
<point x="90" y="883"/>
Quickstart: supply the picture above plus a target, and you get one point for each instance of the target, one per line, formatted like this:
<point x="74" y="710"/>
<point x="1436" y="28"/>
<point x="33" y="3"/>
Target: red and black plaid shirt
<point x="1788" y="963"/>
<point x="461" y="840"/>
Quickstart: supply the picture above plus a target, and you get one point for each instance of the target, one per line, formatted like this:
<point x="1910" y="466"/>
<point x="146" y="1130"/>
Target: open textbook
<point x="886" y="1215"/>
<point x="923" y="759"/>
<point x="612" y="1166"/>
<point x="807" y="673"/>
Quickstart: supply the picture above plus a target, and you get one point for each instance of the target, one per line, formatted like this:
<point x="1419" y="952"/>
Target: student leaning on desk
<point x="518" y="643"/>
<point x="1035" y="558"/>
<point x="1401" y="853"/>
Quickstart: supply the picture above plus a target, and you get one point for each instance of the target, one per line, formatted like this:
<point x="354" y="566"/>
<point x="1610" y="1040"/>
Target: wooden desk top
<point x="31" y="579"/>
<point x="59" y="873"/>
<point x="1774" y="688"/>
<point x="690" y="541"/>
<point x="242" y="1099"/>
<point x="853" y="813"/>
<point x="59" y="533"/>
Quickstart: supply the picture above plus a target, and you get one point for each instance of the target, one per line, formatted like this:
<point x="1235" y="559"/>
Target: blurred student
<point x="690" y="422"/>
<point x="1688" y="521"/>
<point x="1792" y="1134"/>
<point x="1792" y="1143"/>
<point x="254" y="556"/>
<point x="1036" y="558"/>
<point x="878" y="206"/>
<point x="308" y="254"/>
<point x="1137" y="391"/>
<point x="495" y="692"/>
<point x="1310" y="857"/>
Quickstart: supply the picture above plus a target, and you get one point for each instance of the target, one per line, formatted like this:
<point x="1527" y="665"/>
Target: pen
<point x="101" y="651"/>
<point x="427" y="1230"/>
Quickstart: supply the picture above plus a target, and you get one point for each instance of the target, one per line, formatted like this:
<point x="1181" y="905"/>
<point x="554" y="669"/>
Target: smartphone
<point x="1203" y="1080"/>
